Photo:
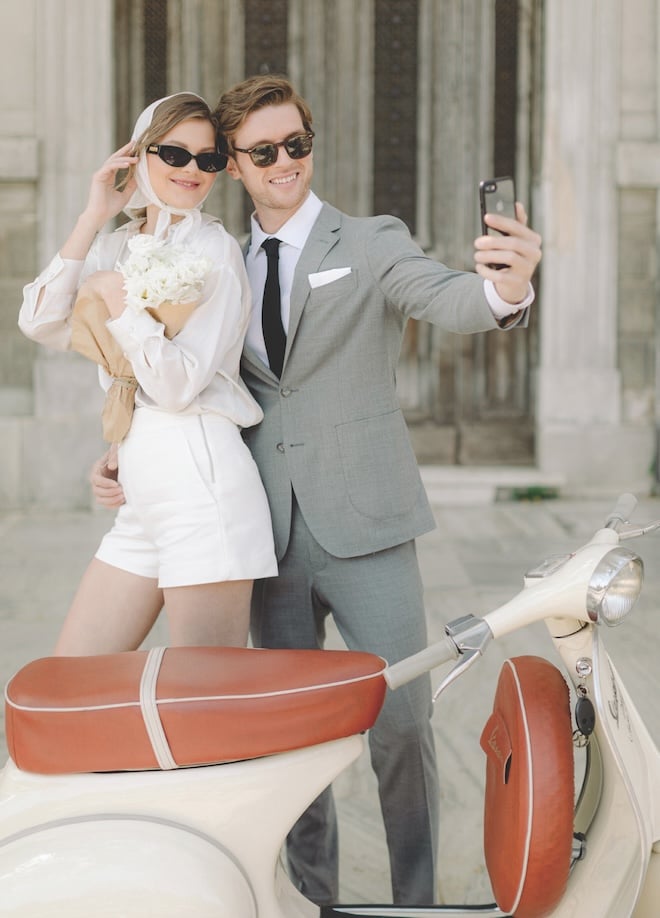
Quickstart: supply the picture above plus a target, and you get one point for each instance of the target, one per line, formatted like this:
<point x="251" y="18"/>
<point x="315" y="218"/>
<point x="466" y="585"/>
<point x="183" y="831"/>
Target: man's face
<point x="277" y="191"/>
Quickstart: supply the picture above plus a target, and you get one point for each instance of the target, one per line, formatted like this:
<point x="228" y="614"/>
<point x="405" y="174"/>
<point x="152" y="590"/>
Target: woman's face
<point x="183" y="187"/>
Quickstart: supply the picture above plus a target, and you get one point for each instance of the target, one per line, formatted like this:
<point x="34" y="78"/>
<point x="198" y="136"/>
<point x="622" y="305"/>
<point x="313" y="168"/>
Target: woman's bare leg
<point x="112" y="611"/>
<point x="209" y="614"/>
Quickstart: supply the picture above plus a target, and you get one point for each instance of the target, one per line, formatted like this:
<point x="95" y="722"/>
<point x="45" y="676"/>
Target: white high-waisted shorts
<point x="196" y="510"/>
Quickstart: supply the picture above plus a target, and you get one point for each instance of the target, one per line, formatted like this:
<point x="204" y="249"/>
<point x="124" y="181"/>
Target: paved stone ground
<point x="472" y="562"/>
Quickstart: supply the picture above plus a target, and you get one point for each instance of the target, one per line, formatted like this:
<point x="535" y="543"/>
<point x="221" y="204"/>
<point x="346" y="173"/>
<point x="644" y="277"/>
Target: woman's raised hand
<point x="106" y="200"/>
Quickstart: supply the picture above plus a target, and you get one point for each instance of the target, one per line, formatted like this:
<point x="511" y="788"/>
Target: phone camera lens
<point x="491" y="186"/>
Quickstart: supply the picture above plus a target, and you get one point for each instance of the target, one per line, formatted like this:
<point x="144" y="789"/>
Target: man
<point x="343" y="485"/>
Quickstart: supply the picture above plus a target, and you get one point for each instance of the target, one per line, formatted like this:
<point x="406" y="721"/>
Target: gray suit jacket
<point x="333" y="429"/>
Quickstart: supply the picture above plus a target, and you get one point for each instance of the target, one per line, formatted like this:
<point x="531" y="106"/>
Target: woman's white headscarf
<point x="144" y="193"/>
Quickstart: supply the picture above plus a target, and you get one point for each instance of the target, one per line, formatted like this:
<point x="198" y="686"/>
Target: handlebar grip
<point x="408" y="669"/>
<point x="622" y="511"/>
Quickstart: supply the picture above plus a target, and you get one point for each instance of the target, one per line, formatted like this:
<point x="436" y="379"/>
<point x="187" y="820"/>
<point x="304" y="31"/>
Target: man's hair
<point x="252" y="94"/>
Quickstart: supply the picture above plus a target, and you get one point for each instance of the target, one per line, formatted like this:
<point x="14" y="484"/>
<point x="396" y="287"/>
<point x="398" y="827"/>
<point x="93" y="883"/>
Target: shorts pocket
<point x="162" y="465"/>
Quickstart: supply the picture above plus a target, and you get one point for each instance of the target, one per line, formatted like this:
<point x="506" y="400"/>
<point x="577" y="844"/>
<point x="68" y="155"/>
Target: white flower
<point x="156" y="272"/>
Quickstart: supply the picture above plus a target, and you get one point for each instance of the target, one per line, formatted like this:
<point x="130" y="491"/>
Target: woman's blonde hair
<point x="170" y="112"/>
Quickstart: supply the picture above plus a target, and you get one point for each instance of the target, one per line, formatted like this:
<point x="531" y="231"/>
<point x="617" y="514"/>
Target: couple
<point x="343" y="489"/>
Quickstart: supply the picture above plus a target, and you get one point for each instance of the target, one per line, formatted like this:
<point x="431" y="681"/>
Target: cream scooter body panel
<point x="231" y="819"/>
<point x="541" y="599"/>
<point x="636" y="765"/>
<point x="137" y="866"/>
<point x="621" y="832"/>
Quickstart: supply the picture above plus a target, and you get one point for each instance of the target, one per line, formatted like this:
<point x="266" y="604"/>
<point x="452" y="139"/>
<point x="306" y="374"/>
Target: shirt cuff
<point x="62" y="275"/>
<point x="132" y="329"/>
<point x="499" y="307"/>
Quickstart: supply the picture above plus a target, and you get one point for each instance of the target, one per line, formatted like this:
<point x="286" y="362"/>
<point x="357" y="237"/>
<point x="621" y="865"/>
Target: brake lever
<point x="639" y="531"/>
<point x="470" y="636"/>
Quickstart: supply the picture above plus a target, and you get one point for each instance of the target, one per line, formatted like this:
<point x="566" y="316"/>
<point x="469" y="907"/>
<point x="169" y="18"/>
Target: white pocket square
<point x="327" y="277"/>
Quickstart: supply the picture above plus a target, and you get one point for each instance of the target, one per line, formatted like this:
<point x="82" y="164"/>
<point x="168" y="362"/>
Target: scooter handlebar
<point x="419" y="663"/>
<point x="622" y="511"/>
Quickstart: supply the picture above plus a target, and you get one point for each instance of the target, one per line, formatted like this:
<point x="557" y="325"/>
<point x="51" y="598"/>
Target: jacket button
<point x="285" y="392"/>
<point x="280" y="447"/>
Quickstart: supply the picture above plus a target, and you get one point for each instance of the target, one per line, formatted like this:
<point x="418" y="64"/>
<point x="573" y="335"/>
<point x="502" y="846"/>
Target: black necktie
<point x="271" y="313"/>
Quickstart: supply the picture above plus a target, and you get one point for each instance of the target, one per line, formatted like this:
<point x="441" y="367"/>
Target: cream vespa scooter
<point x="163" y="783"/>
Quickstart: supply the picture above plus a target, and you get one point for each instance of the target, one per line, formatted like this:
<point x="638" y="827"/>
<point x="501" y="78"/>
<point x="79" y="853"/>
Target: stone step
<point x="452" y="485"/>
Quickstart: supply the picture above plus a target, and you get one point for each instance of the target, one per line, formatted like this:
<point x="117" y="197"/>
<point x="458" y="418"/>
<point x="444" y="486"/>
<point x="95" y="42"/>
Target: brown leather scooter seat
<point x="185" y="706"/>
<point x="528" y="819"/>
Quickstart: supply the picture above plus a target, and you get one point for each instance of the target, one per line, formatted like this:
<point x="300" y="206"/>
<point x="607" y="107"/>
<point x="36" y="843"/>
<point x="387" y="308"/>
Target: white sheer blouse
<point x="195" y="372"/>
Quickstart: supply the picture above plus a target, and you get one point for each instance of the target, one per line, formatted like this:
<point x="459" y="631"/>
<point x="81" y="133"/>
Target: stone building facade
<point x="414" y="101"/>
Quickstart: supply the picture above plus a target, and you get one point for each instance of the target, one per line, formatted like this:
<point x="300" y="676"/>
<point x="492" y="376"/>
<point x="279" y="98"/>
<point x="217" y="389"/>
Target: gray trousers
<point x="376" y="601"/>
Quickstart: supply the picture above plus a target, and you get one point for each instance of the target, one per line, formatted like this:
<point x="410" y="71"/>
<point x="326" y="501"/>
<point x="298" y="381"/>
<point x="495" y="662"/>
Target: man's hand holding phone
<point x="508" y="251"/>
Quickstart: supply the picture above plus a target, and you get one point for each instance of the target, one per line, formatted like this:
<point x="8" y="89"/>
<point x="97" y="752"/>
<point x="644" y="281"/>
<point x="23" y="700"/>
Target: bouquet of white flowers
<point x="167" y="281"/>
<point x="155" y="273"/>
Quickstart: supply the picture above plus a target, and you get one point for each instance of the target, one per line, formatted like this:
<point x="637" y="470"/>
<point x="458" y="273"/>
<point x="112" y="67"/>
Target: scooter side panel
<point x="49" y="872"/>
<point x="246" y="807"/>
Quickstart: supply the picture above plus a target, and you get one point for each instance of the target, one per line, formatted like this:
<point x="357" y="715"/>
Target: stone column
<point x="74" y="108"/>
<point x="331" y="64"/>
<point x="580" y="431"/>
<point x="74" y="128"/>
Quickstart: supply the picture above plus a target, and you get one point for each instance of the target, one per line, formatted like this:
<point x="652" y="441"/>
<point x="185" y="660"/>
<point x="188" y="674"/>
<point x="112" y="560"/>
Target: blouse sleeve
<point x="48" y="301"/>
<point x="173" y="372"/>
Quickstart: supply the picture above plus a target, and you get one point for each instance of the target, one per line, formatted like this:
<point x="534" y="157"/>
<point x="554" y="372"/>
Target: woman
<point x="195" y="529"/>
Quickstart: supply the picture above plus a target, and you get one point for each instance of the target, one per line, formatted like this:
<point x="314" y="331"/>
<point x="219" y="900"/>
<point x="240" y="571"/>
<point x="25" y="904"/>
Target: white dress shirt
<point x="293" y="235"/>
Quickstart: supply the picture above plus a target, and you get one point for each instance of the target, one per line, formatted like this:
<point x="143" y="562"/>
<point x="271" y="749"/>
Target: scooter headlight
<point x="614" y="586"/>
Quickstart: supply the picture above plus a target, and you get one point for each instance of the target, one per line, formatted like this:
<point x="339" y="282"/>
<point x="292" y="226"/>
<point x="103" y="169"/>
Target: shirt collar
<point x="296" y="229"/>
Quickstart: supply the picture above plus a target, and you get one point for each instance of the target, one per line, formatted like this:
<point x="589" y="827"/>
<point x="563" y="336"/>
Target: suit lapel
<point x="249" y="357"/>
<point x="322" y="238"/>
<point x="255" y="364"/>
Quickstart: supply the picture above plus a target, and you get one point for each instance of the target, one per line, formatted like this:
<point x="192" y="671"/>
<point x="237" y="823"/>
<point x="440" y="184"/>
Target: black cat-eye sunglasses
<point x="178" y="157"/>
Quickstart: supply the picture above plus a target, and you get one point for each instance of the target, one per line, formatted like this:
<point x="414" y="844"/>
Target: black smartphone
<point x="497" y="196"/>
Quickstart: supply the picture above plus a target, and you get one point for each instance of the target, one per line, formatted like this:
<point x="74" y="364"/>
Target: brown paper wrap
<point x="91" y="338"/>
